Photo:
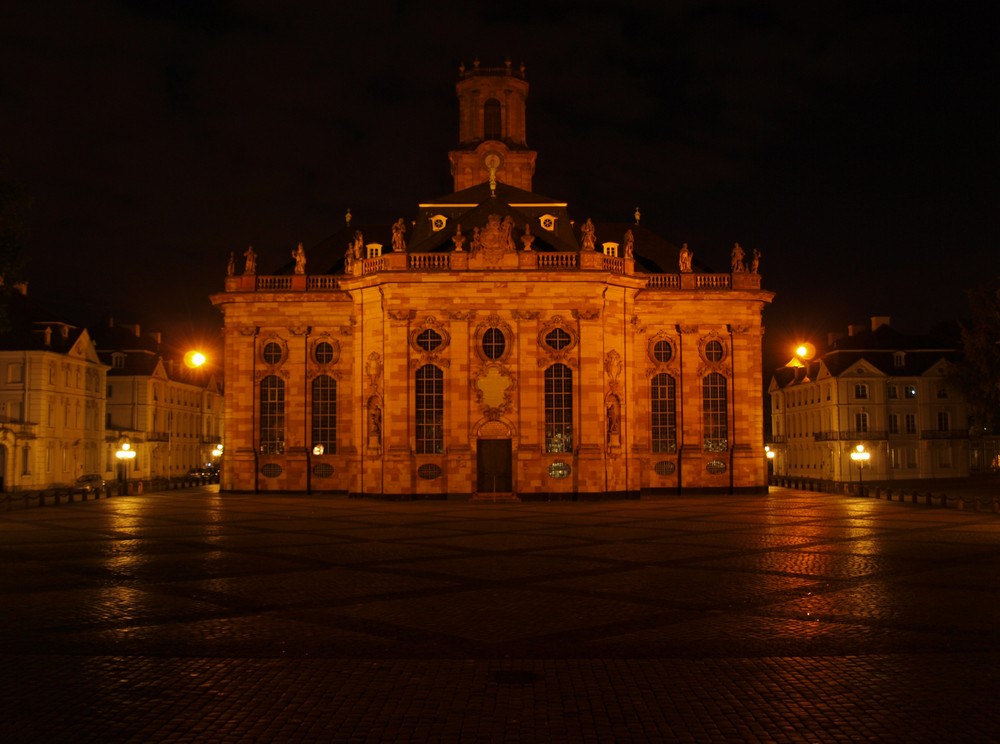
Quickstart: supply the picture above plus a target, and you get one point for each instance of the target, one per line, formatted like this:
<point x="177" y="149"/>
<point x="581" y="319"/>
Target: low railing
<point x="322" y="281"/>
<point x="274" y="283"/>
<point x="664" y="281"/>
<point x="429" y="261"/>
<point x="614" y="265"/>
<point x="557" y="260"/>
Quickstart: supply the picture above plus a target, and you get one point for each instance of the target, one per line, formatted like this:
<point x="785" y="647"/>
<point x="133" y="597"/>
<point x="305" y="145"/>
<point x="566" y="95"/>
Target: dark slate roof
<point x="879" y="349"/>
<point x="471" y="208"/>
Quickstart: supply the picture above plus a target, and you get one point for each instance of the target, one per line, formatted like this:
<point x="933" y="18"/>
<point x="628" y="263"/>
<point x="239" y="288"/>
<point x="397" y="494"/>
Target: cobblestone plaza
<point x="195" y="616"/>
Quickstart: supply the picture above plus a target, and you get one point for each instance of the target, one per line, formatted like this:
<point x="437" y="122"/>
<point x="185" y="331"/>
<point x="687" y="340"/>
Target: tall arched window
<point x="714" y="420"/>
<point x="272" y="415"/>
<point x="663" y="404"/>
<point x="324" y="414"/>
<point x="491" y="120"/>
<point x="558" y="409"/>
<point x="430" y="410"/>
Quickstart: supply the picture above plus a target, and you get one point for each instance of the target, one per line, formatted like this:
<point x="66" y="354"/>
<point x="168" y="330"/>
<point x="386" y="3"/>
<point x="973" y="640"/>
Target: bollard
<point x="960" y="504"/>
<point x="995" y="505"/>
<point x="929" y="498"/>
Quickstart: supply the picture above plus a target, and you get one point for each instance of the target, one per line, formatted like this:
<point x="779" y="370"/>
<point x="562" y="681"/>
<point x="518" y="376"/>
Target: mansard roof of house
<point x="885" y="349"/>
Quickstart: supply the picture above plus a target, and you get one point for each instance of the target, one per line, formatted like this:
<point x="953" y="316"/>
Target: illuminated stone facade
<point x="492" y="348"/>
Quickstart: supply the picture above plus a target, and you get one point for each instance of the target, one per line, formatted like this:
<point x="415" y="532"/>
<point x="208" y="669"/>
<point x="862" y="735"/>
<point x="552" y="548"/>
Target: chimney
<point x="880" y="320"/>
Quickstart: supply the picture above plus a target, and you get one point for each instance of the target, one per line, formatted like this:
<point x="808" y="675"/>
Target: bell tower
<point x="492" y="145"/>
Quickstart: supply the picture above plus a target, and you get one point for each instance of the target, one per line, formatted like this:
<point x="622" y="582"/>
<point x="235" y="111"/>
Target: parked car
<point x="202" y="474"/>
<point x="88" y="483"/>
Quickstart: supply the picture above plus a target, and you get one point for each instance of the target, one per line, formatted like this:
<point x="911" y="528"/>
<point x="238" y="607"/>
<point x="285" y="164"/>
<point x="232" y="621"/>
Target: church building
<point x="493" y="346"/>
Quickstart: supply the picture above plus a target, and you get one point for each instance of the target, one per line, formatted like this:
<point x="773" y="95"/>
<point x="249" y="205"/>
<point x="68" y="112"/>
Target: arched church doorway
<point x="494" y="459"/>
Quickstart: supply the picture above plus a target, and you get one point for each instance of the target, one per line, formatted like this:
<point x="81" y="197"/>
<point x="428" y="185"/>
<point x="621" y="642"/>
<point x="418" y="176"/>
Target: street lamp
<point x="195" y="359"/>
<point x="860" y="457"/>
<point x="125" y="455"/>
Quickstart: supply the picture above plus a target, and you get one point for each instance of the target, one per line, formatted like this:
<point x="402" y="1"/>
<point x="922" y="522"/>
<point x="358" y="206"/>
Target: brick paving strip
<point x="191" y="616"/>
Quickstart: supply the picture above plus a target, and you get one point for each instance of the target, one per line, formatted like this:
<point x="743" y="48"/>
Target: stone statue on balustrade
<point x="299" y="254"/>
<point x="589" y="235"/>
<point x="686" y="257"/>
<point x="251" y="264"/>
<point x="399" y="236"/>
<point x="737" y="264"/>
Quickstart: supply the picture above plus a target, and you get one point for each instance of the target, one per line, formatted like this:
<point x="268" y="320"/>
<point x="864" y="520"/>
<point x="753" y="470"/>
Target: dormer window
<point x="610" y="249"/>
<point x="547" y="222"/>
<point x="438" y="222"/>
<point x="118" y="360"/>
<point x="899" y="359"/>
<point x="373" y="250"/>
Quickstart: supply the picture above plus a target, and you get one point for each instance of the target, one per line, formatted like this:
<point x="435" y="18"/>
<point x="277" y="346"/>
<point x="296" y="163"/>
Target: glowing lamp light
<point x="125" y="452"/>
<point x="769" y="452"/>
<point x="860" y="456"/>
<point x="195" y="359"/>
<point x="805" y="351"/>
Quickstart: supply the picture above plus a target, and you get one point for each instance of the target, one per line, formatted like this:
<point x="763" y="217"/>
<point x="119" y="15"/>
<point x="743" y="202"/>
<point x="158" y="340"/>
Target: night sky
<point x="854" y="144"/>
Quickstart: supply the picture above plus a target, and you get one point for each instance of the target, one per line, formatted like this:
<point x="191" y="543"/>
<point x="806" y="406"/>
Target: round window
<point x="323" y="352"/>
<point x="323" y="470"/>
<point x="272" y="352"/>
<point x="429" y="339"/>
<point x="664" y="467"/>
<point x="559" y="470"/>
<point x="716" y="467"/>
<point x="494" y="343"/>
<point x="662" y="351"/>
<point x="429" y="471"/>
<point x="557" y="339"/>
<point x="714" y="351"/>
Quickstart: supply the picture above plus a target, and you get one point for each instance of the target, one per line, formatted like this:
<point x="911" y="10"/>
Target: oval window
<point x="664" y="467"/>
<point x="272" y="352"/>
<point x="716" y="467"/>
<point x="429" y="339"/>
<point x="662" y="351"/>
<point x="323" y="470"/>
<point x="714" y="351"/>
<point x="494" y="343"/>
<point x="557" y="339"/>
<point x="559" y="470"/>
<point x="429" y="471"/>
<point x="323" y="352"/>
<point x="271" y="470"/>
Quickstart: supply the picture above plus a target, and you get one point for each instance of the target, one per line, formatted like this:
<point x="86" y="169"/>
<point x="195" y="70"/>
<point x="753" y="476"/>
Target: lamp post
<point x="125" y="455"/>
<point x="860" y="457"/>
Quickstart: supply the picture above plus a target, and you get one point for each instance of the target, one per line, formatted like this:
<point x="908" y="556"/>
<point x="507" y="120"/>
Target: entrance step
<point x="495" y="497"/>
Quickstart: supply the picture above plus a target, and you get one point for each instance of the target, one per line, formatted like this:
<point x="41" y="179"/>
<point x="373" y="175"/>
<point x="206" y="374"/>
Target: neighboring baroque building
<point x="490" y="346"/>
<point x="51" y="400"/>
<point x="877" y="388"/>
<point x="170" y="414"/>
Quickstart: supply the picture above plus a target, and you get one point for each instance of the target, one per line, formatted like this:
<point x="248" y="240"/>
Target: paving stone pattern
<point x="195" y="616"/>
